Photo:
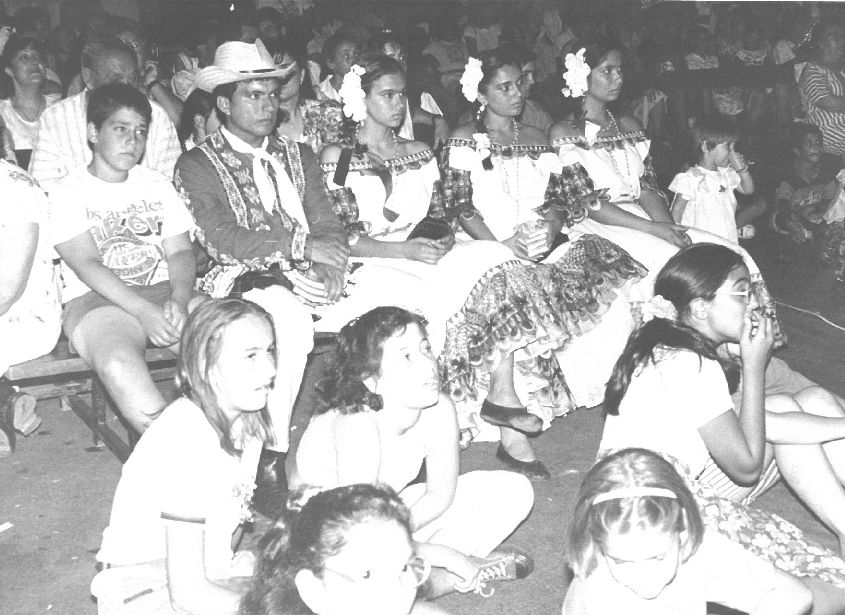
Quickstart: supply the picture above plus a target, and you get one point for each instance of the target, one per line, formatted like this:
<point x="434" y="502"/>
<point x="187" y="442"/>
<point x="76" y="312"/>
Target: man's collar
<point x="239" y="145"/>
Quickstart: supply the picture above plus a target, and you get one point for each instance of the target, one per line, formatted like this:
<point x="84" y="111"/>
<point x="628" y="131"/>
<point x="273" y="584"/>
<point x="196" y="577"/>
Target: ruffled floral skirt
<point x="534" y="310"/>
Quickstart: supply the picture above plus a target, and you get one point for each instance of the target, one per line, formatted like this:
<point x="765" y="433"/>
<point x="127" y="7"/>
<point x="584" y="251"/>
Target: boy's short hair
<point x="799" y="132"/>
<point x="109" y="98"/>
<point x="712" y="132"/>
<point x="335" y="41"/>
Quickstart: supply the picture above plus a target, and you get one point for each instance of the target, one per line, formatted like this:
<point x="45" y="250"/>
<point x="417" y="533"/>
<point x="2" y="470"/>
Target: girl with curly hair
<point x="384" y="417"/>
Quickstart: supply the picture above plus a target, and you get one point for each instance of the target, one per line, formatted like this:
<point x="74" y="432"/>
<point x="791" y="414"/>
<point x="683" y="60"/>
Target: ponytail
<point x="639" y="351"/>
<point x="272" y="590"/>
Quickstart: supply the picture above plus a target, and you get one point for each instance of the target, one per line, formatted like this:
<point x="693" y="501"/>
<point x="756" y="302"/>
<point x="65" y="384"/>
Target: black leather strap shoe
<point x="515" y="418"/>
<point x="535" y="470"/>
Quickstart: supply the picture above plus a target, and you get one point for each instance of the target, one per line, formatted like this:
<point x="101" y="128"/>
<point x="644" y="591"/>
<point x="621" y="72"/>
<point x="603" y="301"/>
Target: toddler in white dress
<point x="704" y="194"/>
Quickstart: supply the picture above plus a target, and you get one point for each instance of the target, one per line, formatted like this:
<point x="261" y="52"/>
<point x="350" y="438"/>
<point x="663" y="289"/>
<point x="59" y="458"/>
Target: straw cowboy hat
<point x="236" y="61"/>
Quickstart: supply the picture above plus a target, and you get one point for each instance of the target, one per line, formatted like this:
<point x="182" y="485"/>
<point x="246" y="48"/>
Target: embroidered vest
<point x="236" y="176"/>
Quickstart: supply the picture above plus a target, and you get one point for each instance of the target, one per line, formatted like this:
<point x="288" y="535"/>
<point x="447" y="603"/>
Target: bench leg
<point x="98" y="407"/>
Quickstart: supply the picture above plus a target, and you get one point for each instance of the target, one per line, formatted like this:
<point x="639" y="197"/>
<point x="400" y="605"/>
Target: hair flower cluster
<point x="352" y="94"/>
<point x="575" y="75"/>
<point x="658" y="307"/>
<point x="482" y="144"/>
<point x="471" y="78"/>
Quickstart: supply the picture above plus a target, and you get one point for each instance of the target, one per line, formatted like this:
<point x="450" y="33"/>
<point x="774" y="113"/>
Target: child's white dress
<point x="711" y="203"/>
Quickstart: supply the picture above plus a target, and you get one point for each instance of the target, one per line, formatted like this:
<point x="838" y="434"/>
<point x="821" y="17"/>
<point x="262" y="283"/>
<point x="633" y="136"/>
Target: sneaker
<point x="746" y="231"/>
<point x="504" y="564"/>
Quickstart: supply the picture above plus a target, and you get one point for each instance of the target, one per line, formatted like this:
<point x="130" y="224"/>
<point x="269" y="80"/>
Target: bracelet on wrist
<point x="469" y="214"/>
<point x="742" y="170"/>
<point x="300" y="245"/>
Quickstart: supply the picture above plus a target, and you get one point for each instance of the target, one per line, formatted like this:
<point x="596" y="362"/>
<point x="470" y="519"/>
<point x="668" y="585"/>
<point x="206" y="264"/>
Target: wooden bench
<point x="64" y="374"/>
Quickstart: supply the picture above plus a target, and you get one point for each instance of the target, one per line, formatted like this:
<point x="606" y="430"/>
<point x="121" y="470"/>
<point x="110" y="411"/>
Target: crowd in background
<point x="488" y="237"/>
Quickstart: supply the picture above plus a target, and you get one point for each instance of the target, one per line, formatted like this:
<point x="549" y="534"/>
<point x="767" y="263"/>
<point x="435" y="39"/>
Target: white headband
<point x="633" y="492"/>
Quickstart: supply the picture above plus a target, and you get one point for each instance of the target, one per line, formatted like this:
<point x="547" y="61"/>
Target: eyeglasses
<point x="747" y="294"/>
<point x="416" y="570"/>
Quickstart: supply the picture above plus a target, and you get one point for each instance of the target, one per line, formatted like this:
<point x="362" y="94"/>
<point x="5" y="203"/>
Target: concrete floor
<point x="57" y="489"/>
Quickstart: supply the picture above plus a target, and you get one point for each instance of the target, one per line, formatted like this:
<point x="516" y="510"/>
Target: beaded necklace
<point x="503" y="171"/>
<point x="612" y="155"/>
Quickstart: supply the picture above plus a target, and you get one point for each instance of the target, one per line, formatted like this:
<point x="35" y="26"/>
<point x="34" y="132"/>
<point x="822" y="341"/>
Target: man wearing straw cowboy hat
<point x="265" y="219"/>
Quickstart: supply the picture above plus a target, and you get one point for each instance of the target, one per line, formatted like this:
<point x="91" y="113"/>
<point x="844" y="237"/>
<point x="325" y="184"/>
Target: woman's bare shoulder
<point x="564" y="128"/>
<point x="529" y="135"/>
<point x="628" y="123"/>
<point x="412" y="147"/>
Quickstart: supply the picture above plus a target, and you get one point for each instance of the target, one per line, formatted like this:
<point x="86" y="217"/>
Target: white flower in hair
<point x="471" y="78"/>
<point x="575" y="76"/>
<point x="658" y="307"/>
<point x="482" y="144"/>
<point x="352" y="94"/>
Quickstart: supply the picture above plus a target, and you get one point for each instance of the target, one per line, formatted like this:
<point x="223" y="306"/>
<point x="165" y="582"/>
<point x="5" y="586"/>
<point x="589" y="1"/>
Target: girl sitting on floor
<point x="347" y="552"/>
<point x="777" y="421"/>
<point x="384" y="417"/>
<point x="671" y="393"/>
<point x="637" y="545"/>
<point x="185" y="490"/>
<point x="704" y="194"/>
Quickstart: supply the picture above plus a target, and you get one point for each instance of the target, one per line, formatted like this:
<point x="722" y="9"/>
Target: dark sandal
<point x="514" y="418"/>
<point x="535" y="470"/>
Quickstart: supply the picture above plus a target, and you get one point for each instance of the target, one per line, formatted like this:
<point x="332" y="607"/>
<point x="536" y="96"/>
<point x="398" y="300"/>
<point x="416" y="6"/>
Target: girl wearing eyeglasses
<point x="677" y="390"/>
<point x="348" y="551"/>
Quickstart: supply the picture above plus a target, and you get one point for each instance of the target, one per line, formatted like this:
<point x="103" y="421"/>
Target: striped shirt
<point x="816" y="83"/>
<point x="62" y="142"/>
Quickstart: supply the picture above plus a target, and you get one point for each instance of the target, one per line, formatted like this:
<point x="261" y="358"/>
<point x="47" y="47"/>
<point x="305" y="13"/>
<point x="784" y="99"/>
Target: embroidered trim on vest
<point x="289" y="155"/>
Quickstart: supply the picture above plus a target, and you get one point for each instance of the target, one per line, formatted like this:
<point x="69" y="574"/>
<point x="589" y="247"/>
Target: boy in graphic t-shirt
<point x="123" y="234"/>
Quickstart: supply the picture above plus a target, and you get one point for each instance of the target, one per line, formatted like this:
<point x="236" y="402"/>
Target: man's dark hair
<point x="110" y="98"/>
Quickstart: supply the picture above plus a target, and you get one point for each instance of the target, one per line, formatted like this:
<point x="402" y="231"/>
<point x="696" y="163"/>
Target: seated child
<point x="123" y="234"/>
<point x="349" y="551"/>
<point x="735" y="423"/>
<point x="704" y="195"/>
<point x="637" y="545"/>
<point x="383" y="420"/>
<point x="340" y="52"/>
<point x="184" y="494"/>
<point x="807" y="191"/>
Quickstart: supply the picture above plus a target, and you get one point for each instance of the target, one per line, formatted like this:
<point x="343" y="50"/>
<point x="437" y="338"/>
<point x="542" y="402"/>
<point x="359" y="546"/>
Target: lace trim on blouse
<point x="617" y="141"/>
<point x="504" y="151"/>
<point x="396" y="166"/>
